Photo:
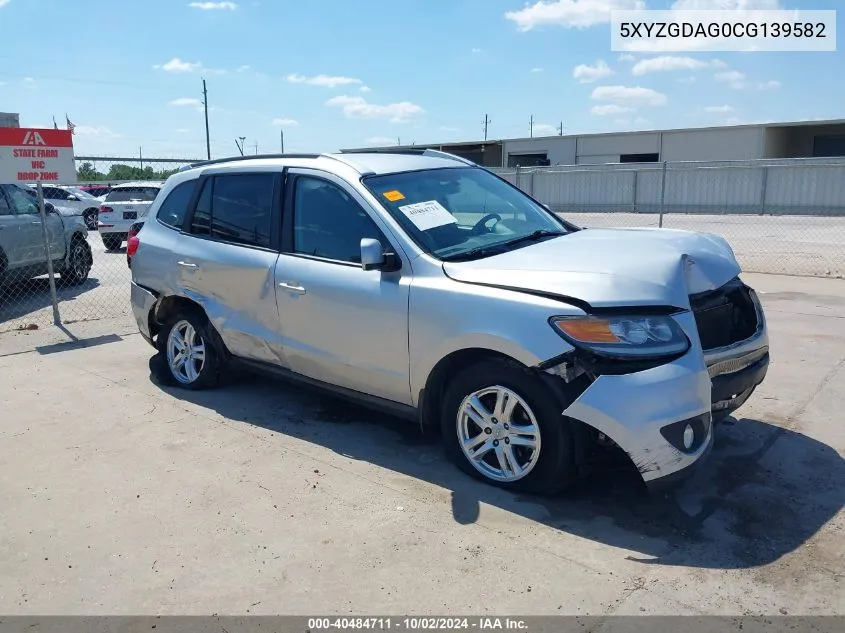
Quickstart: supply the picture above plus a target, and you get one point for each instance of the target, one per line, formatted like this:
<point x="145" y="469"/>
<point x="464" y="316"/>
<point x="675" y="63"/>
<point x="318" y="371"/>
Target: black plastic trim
<point x="674" y="433"/>
<point x="727" y="385"/>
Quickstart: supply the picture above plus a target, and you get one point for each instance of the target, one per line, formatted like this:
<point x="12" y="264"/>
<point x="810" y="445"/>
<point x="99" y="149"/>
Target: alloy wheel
<point x="185" y="352"/>
<point x="498" y="433"/>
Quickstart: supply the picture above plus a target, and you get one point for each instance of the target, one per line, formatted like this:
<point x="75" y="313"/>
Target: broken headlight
<point x="624" y="336"/>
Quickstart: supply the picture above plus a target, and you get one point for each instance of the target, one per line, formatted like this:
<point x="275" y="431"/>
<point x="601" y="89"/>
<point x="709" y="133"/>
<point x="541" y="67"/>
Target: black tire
<point x="555" y="467"/>
<point x="78" y="263"/>
<point x="112" y="242"/>
<point x="209" y="373"/>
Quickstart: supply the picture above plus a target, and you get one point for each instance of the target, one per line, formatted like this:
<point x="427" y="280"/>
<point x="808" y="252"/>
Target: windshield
<point x="132" y="194"/>
<point x="79" y="193"/>
<point x="459" y="213"/>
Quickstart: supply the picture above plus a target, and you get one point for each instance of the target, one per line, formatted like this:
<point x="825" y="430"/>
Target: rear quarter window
<point x="175" y="206"/>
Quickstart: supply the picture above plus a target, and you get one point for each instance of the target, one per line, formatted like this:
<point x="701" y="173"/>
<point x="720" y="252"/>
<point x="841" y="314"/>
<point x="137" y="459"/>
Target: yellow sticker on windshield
<point x="393" y="196"/>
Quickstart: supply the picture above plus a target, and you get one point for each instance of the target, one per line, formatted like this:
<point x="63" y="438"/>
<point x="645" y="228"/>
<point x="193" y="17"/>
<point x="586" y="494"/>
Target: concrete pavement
<point x="120" y="496"/>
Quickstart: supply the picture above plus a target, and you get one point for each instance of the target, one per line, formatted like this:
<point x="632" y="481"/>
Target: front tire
<point x="78" y="263"/>
<point x="188" y="346"/>
<point x="90" y="217"/>
<point x="502" y="425"/>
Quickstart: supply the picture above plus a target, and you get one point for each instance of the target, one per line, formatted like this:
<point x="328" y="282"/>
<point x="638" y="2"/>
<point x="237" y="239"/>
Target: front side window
<point x="236" y="208"/>
<point x="464" y="212"/>
<point x="5" y="209"/>
<point x="172" y="211"/>
<point x="328" y="223"/>
<point x="54" y="193"/>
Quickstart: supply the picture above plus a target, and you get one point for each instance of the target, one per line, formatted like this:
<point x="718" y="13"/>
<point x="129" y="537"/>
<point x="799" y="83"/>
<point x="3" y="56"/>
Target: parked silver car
<point x="22" y="254"/>
<point x="423" y="284"/>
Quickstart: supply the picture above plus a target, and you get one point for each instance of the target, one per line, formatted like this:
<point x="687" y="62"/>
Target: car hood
<point x="610" y="267"/>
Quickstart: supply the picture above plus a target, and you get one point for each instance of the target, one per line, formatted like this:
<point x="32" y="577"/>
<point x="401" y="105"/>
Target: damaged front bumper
<point x="142" y="301"/>
<point x="662" y="417"/>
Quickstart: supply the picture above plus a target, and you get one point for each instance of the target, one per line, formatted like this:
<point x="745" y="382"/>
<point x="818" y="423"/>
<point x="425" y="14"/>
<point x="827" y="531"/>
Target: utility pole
<point x="205" y="104"/>
<point x="531" y="126"/>
<point x="487" y="122"/>
<point x="398" y="141"/>
<point x="241" y="144"/>
<point x="256" y="149"/>
<point x="560" y="129"/>
<point x="282" y="140"/>
<point x="141" y="158"/>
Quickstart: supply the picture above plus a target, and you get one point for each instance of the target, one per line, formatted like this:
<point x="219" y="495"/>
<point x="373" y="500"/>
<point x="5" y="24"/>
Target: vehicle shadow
<point x="23" y="298"/>
<point x="763" y="493"/>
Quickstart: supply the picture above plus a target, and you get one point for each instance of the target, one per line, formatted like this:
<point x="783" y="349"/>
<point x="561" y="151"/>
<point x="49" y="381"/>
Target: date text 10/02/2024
<point x="417" y="624"/>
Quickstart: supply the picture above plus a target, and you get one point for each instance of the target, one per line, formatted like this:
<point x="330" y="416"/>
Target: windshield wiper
<point x="484" y="251"/>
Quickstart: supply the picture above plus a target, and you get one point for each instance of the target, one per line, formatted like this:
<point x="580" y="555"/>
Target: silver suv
<point x="423" y="284"/>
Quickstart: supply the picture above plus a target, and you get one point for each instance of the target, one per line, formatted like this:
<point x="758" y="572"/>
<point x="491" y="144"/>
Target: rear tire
<point x="112" y="242"/>
<point x="78" y="263"/>
<point x="511" y="426"/>
<point x="191" y="356"/>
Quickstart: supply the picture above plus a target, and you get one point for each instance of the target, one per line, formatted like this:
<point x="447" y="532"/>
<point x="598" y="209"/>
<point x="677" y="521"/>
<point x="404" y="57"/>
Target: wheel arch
<point x="169" y="305"/>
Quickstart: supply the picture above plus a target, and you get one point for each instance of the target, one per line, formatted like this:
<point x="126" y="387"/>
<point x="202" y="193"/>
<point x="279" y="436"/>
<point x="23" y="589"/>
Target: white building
<point x="9" y="119"/>
<point x="802" y="139"/>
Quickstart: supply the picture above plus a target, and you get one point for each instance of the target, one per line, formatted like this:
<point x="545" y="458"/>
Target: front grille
<point x="724" y="316"/>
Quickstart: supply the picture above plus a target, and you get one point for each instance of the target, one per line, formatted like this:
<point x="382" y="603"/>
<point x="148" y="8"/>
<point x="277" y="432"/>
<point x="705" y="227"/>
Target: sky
<point x="332" y="74"/>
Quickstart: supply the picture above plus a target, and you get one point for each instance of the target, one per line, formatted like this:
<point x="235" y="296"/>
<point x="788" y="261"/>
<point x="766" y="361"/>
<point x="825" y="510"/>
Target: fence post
<point x="634" y="200"/>
<point x="763" y="189"/>
<point x="662" y="195"/>
<point x="531" y="193"/>
<point x="516" y="177"/>
<point x="57" y="320"/>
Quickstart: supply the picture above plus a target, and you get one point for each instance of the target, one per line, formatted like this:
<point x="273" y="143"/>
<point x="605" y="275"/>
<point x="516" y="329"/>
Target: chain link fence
<point x="780" y="216"/>
<point x="26" y="294"/>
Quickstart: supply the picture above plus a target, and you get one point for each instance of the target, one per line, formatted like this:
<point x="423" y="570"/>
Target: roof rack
<point x="232" y="159"/>
<point x="416" y="151"/>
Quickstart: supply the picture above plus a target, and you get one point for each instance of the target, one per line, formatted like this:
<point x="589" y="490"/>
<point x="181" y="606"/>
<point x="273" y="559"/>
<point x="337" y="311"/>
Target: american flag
<point x="70" y="125"/>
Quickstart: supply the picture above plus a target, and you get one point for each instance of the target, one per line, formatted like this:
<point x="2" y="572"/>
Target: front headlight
<point x="624" y="336"/>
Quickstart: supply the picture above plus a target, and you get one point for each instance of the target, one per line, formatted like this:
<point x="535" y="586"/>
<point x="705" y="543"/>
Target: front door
<point x="340" y="324"/>
<point x="227" y="260"/>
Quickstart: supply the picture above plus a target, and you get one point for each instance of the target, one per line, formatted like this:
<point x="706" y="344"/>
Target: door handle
<point x="36" y="223"/>
<point x="187" y="264"/>
<point x="288" y="285"/>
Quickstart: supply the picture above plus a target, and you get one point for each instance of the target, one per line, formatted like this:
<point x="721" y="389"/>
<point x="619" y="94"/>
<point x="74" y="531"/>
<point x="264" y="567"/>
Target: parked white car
<point x="73" y="201"/>
<point x="124" y="205"/>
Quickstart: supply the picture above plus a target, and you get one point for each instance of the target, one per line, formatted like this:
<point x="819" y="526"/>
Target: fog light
<point x="689" y="437"/>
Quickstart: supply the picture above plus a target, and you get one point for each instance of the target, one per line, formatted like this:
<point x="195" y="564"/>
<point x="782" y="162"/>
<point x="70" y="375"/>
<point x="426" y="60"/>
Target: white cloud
<point x="182" y="130"/>
<point x="29" y="80"/>
<point x="327" y="81"/>
<point x="738" y="81"/>
<point x="211" y="6"/>
<point x="626" y="57"/>
<point x="476" y="50"/>
<point x="544" y="129"/>
<point x="380" y="140"/>
<point x="629" y="96"/>
<point x="588" y="74"/>
<point x="609" y="109"/>
<point x="3" y="3"/>
<point x="707" y="5"/>
<point x="668" y="63"/>
<point x="177" y="65"/>
<point x="446" y="128"/>
<point x="184" y="101"/>
<point x="2" y="83"/>
<point x="723" y="109"/>
<point x="98" y="131"/>
<point x="688" y="80"/>
<point x="569" y="13"/>
<point x="285" y="122"/>
<point x="536" y="70"/>
<point x="359" y="108"/>
<point x="244" y="68"/>
<point x="365" y="89"/>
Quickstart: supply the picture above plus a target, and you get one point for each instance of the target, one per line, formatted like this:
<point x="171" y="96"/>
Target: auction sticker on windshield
<point x="36" y="155"/>
<point x="428" y="215"/>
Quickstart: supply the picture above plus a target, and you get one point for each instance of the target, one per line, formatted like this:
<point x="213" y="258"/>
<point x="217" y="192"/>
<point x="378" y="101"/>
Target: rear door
<point x="227" y="259"/>
<point x="30" y="240"/>
<point x="11" y="239"/>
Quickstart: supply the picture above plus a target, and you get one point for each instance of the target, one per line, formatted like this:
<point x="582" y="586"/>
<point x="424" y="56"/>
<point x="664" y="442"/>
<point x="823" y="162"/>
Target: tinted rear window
<point x="133" y="194"/>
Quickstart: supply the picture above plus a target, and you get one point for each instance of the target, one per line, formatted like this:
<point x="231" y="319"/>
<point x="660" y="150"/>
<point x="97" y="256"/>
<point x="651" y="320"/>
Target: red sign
<point x="29" y="155"/>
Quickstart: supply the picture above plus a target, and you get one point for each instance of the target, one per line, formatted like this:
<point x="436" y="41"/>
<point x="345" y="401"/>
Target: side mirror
<point x="73" y="198"/>
<point x="373" y="256"/>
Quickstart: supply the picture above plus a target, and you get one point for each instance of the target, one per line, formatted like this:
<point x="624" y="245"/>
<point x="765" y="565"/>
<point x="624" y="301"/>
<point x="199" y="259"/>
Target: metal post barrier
<point x="662" y="195"/>
<point x="763" y="188"/>
<point x="634" y="192"/>
<point x="57" y="320"/>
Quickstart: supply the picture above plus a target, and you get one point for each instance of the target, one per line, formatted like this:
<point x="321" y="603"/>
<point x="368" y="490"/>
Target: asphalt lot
<point x="120" y="496"/>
